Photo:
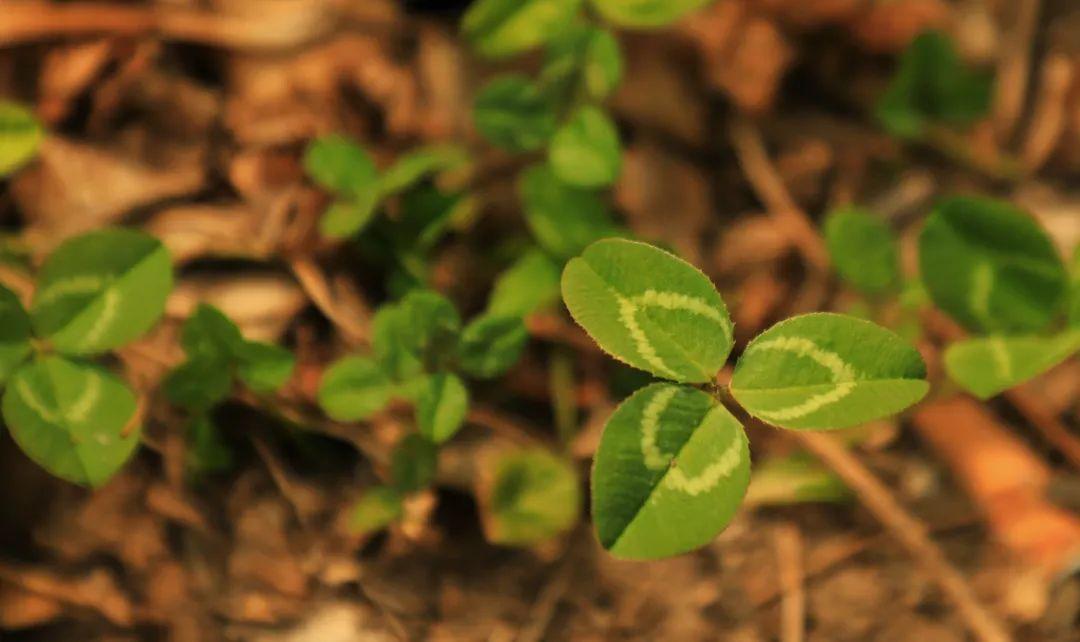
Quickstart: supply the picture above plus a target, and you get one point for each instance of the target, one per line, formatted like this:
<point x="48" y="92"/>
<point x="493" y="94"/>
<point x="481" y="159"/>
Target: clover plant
<point x="989" y="266"/>
<point x="95" y="293"/>
<point x="673" y="462"/>
<point x="217" y="356"/>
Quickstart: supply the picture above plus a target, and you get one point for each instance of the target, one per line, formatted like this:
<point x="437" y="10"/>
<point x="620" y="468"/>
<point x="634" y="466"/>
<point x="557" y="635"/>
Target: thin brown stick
<point x="770" y="189"/>
<point x="1014" y="68"/>
<point x="317" y="287"/>
<point x="909" y="531"/>
<point x="789" y="559"/>
<point x="1050" y="112"/>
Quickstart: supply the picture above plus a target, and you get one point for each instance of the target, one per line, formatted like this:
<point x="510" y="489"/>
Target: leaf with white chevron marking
<point x="670" y="472"/>
<point x="101" y="290"/>
<point x="988" y="365"/>
<point x="71" y="418"/>
<point x="823" y="370"/>
<point x="650" y="309"/>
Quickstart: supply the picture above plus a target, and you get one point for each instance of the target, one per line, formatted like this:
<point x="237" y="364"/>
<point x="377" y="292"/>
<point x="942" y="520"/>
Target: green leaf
<point x="670" y="472"/>
<point x="420" y="163"/>
<point x="15" y="333"/>
<point x="426" y="214"/>
<point x="264" y="367"/>
<point x="379" y="507"/>
<point x="341" y="166"/>
<point x="564" y="219"/>
<point x="823" y="370"/>
<point x="207" y="452"/>
<point x="354" y="388"/>
<point x="512" y="113"/>
<point x="345" y="218"/>
<point x="413" y="464"/>
<point x="585" y="151"/>
<point x="71" y="418"/>
<point x="500" y="28"/>
<point x="20" y="135"/>
<point x="649" y="309"/>
<point x="533" y="496"/>
<point x="101" y="290"/>
<point x="990" y="266"/>
<point x="645" y="13"/>
<point x="199" y="383"/>
<point x="1074" y="290"/>
<point x="531" y="283"/>
<point x="988" y="365"/>
<point x="863" y="250"/>
<point x="586" y="57"/>
<point x="932" y="85"/>
<point x="209" y="333"/>
<point x="491" y="345"/>
<point x="441" y="408"/>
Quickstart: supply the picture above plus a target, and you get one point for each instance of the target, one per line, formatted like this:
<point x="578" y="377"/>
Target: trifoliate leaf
<point x="264" y="367"/>
<point x="20" y="135"/>
<point x="15" y="333"/>
<point x="500" y="28"/>
<point x="863" y="250"/>
<point x="990" y="266"/>
<point x="531" y="283"/>
<point x="413" y="464"/>
<point x="420" y="163"/>
<point x="345" y="218"/>
<point x="532" y="496"/>
<point x="417" y="332"/>
<point x="986" y="366"/>
<point x="564" y="219"/>
<point x="377" y="508"/>
<point x="442" y="406"/>
<point x="354" y="388"/>
<point x="585" y="151"/>
<point x="199" y="383"/>
<point x="823" y="370"/>
<point x="650" y="309"/>
<point x="101" y="290"/>
<point x="646" y="13"/>
<point x="670" y="472"/>
<point x="932" y="85"/>
<point x="491" y="345"/>
<point x="72" y="419"/>
<point x="513" y="114"/>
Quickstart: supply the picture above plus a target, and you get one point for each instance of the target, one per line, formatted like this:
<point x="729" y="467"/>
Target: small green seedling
<point x="986" y="264"/>
<point x="347" y="171"/>
<point x="95" y="293"/>
<point x="218" y="355"/>
<point x="531" y="496"/>
<point x="20" y="135"/>
<point x="932" y="87"/>
<point x="673" y="463"/>
<point x="421" y="354"/>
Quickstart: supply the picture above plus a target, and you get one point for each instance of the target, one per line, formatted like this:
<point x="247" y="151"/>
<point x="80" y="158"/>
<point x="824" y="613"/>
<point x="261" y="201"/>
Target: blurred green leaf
<point x="531" y="283"/>
<point x="354" y="388"/>
<point x="564" y="219"/>
<point x="863" y="249"/>
<point x="345" y="218"/>
<point x="645" y="14"/>
<point x="264" y="367"/>
<point x="794" y="479"/>
<point x="586" y="57"/>
<point x="15" y="333"/>
<point x="990" y="266"/>
<point x="377" y="508"/>
<point x="20" y="135"/>
<point x="986" y="366"/>
<point x="442" y="406"/>
<point x="342" y="167"/>
<point x="933" y="86"/>
<point x="207" y="452"/>
<point x="512" y="113"/>
<point x="500" y="28"/>
<point x="199" y="383"/>
<point x="585" y="151"/>
<point x="533" y="496"/>
<point x="420" y="163"/>
<point x="491" y="345"/>
<point x="1074" y="290"/>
